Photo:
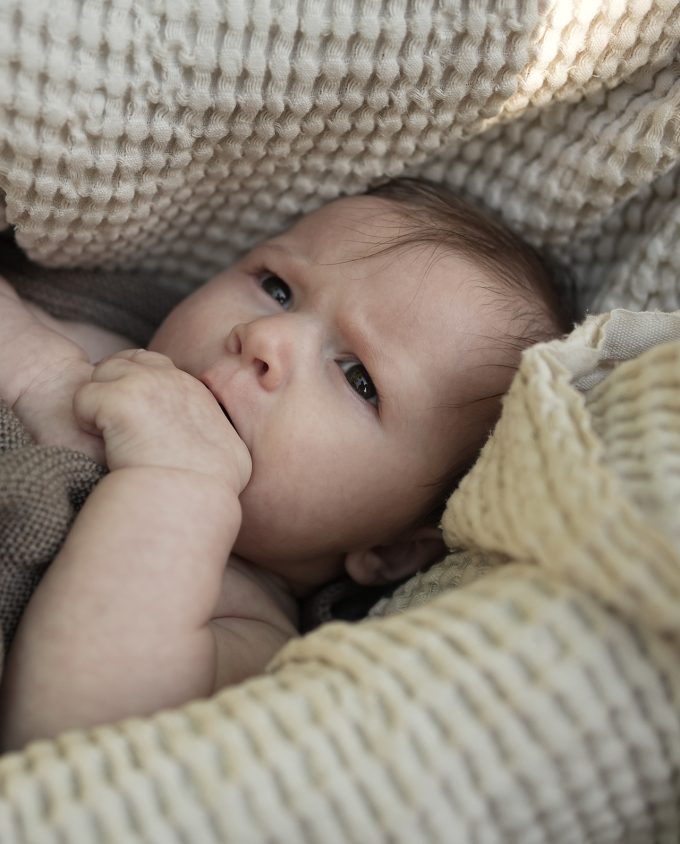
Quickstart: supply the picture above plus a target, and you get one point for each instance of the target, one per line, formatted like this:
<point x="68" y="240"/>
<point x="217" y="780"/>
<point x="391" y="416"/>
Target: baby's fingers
<point x="116" y="366"/>
<point x="87" y="405"/>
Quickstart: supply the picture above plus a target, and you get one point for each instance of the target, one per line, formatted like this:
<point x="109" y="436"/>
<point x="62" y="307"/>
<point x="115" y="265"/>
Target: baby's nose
<point x="271" y="345"/>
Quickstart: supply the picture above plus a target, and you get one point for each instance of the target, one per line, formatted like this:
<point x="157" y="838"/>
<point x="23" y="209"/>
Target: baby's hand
<point x="46" y="406"/>
<point x="40" y="370"/>
<point x="151" y="414"/>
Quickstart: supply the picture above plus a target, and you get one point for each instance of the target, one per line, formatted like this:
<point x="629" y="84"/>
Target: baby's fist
<point x="151" y="414"/>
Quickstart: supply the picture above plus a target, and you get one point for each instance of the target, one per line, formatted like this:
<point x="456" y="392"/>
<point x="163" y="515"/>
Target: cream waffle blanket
<point x="527" y="689"/>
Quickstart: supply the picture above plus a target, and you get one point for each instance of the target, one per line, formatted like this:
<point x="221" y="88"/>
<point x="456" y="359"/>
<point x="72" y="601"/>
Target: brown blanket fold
<point x="41" y="490"/>
<point x="127" y="303"/>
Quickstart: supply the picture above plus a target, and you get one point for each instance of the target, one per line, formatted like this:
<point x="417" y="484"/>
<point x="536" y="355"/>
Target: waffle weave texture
<point x="170" y="136"/>
<point x="539" y="702"/>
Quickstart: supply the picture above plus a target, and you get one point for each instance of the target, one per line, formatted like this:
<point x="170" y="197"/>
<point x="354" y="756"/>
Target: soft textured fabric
<point x="132" y="304"/>
<point x="170" y="136"/>
<point x="538" y="701"/>
<point x="41" y="490"/>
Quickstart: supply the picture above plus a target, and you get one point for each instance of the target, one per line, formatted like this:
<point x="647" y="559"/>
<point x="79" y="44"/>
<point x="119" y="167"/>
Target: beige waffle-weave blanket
<point x="539" y="701"/>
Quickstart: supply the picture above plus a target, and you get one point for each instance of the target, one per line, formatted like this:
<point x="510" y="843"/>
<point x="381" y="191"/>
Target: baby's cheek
<point x="177" y="334"/>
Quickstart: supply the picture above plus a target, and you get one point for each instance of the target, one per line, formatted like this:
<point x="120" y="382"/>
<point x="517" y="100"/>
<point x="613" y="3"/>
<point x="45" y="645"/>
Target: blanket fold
<point x="539" y="700"/>
<point x="128" y="303"/>
<point x="41" y="490"/>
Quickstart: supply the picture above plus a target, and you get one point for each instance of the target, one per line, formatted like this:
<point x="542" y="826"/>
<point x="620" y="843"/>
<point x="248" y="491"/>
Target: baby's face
<point x="338" y="371"/>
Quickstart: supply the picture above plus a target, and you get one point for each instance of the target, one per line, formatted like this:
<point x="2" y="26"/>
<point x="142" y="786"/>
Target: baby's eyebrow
<point x="284" y="251"/>
<point x="293" y="268"/>
<point x="275" y="246"/>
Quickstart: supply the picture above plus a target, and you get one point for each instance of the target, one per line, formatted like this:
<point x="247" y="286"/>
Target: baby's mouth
<point x="229" y="419"/>
<point x="224" y="410"/>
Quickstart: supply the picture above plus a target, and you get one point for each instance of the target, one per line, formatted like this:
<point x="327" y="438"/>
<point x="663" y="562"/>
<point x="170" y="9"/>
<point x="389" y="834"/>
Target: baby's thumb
<point x="86" y="405"/>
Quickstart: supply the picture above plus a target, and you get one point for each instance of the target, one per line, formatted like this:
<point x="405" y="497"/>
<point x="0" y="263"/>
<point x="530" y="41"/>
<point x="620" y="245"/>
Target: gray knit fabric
<point x="41" y="490"/>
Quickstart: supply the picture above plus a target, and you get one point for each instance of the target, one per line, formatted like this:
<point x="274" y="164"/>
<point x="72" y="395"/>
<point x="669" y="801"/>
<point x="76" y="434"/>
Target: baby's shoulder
<point x="254" y="618"/>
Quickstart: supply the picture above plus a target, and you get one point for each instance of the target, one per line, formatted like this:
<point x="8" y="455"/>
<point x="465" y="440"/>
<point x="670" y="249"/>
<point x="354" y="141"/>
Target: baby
<point x="301" y="415"/>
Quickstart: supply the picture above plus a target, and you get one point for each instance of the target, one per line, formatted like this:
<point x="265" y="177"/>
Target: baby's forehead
<point x="348" y="228"/>
<point x="371" y="239"/>
<point x="348" y="208"/>
<point x="373" y="230"/>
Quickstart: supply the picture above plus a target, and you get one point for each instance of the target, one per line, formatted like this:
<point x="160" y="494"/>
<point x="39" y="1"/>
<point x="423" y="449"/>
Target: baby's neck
<point x="97" y="342"/>
<point x="249" y="589"/>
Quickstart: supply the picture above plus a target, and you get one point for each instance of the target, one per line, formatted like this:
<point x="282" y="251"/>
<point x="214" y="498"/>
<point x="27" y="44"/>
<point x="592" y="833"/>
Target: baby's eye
<point x="278" y="289"/>
<point x="360" y="381"/>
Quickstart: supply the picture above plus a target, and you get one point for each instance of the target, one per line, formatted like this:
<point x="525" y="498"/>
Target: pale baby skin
<point x="287" y="422"/>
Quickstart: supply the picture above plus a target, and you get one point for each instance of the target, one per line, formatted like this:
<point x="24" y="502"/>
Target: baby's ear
<point x="385" y="563"/>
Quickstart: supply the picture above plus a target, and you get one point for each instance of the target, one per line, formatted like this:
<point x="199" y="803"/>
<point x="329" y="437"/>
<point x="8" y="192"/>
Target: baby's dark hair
<point x="530" y="290"/>
<point x="437" y="216"/>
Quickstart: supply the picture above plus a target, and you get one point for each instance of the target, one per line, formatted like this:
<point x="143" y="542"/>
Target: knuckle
<point x="150" y="357"/>
<point x="108" y="367"/>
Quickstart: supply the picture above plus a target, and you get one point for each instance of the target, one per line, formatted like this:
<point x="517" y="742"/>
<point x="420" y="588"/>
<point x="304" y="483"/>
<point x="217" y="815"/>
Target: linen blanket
<point x="527" y="689"/>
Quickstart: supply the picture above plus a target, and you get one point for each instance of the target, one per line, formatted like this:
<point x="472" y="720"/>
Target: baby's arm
<point x="120" y="624"/>
<point x="40" y="370"/>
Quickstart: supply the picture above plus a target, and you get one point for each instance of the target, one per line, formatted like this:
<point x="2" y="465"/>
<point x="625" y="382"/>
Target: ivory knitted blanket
<point x="528" y="688"/>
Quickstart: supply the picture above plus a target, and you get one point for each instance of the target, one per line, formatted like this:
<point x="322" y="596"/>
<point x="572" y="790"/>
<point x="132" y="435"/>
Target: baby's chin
<point x="297" y="561"/>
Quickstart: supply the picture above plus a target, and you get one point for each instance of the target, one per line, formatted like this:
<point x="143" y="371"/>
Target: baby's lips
<point x="206" y="383"/>
<point x="226" y="413"/>
<point x="205" y="380"/>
